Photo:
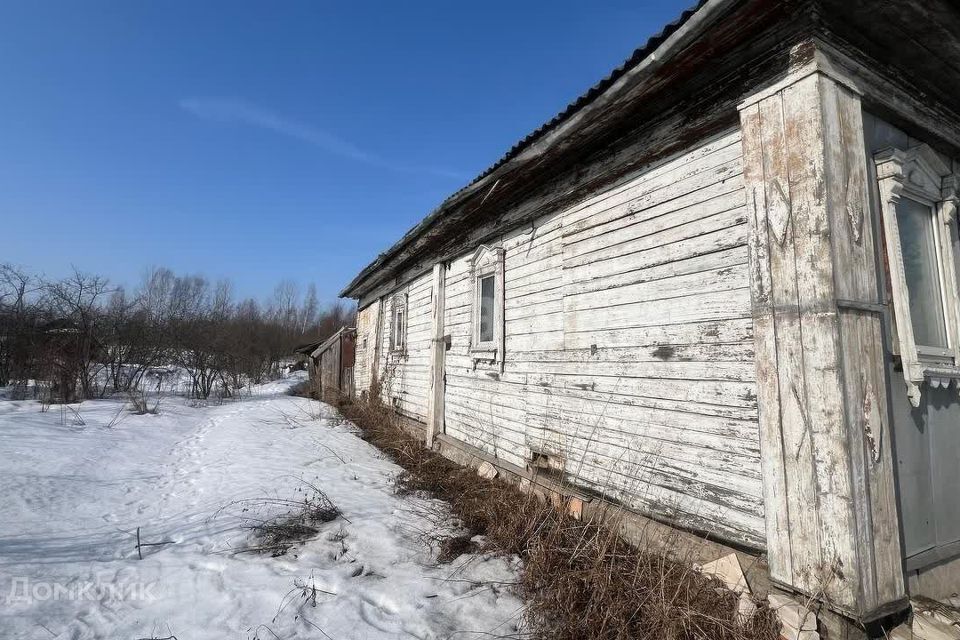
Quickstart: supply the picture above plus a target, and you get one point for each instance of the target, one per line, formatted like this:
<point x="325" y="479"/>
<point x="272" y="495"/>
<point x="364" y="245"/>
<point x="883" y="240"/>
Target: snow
<point x="76" y="483"/>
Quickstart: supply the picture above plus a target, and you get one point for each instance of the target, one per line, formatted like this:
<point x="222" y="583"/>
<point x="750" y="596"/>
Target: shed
<point x="719" y="290"/>
<point x="333" y="361"/>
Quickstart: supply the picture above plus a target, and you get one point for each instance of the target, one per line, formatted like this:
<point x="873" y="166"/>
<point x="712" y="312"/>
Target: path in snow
<point x="72" y="496"/>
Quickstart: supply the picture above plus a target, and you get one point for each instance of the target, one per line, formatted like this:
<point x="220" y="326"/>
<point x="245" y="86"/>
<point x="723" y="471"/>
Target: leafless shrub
<point x="452" y="547"/>
<point x="278" y="524"/>
<point x="302" y="594"/>
<point x="70" y="415"/>
<point x="140" y="404"/>
<point x="582" y="580"/>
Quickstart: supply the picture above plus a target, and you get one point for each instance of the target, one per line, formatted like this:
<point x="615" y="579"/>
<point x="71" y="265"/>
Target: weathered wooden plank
<point x="540" y="304"/>
<point x="820" y="330"/>
<point x="660" y="239"/>
<point x="438" y="347"/>
<point x="855" y="279"/>
<point x="636" y="493"/>
<point x="652" y="352"/>
<point x="583" y="280"/>
<point x="724" y="399"/>
<point x="682" y="509"/>
<point x="664" y="217"/>
<point x="544" y="340"/>
<point x="741" y="393"/>
<point x="736" y="371"/>
<point x="624" y="465"/>
<point x="676" y="248"/>
<point x="862" y="351"/>
<point x="517" y="292"/>
<point x="677" y="177"/>
<point x="679" y="286"/>
<point x="630" y="454"/>
<point x="700" y="307"/>
<point x="793" y="421"/>
<point x="775" y="489"/>
<point x="628" y="215"/>
<point x="729" y="330"/>
<point x="812" y="247"/>
<point x="365" y="363"/>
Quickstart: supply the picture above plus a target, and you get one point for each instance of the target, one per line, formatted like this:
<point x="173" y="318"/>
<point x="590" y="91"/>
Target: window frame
<point x="919" y="174"/>
<point x="398" y="328"/>
<point x="487" y="262"/>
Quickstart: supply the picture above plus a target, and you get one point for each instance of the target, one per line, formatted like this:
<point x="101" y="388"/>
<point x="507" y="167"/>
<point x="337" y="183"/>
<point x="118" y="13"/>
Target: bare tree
<point x="19" y="316"/>
<point x="75" y="347"/>
<point x="284" y="305"/>
<point x="82" y="337"/>
<point x="309" y="310"/>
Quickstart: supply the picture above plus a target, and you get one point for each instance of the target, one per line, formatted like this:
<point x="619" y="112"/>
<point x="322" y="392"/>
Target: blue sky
<point x="268" y="140"/>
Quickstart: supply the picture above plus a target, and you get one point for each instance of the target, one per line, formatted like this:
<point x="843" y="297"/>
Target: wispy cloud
<point x="233" y="111"/>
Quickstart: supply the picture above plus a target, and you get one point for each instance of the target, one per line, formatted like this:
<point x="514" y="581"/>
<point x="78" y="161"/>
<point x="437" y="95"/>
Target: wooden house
<point x="719" y="290"/>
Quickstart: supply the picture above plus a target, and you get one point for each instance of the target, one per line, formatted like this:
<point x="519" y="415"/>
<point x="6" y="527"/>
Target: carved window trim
<point x="399" y="320"/>
<point x="486" y="262"/>
<point x="920" y="175"/>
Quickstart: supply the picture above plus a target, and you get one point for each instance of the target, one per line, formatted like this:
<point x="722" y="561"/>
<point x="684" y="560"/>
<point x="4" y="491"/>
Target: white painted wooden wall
<point x="363" y="366"/>
<point x="629" y="346"/>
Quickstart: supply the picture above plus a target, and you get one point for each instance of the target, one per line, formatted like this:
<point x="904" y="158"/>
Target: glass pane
<point x="398" y="328"/>
<point x="919" y="246"/>
<point x="486" y="309"/>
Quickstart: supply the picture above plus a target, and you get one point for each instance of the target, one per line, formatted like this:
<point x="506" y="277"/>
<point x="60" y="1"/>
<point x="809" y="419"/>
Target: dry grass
<point x="581" y="580"/>
<point x="279" y="524"/>
<point x="139" y="405"/>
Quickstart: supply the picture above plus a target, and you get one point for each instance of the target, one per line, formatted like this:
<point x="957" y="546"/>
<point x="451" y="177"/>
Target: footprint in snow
<point x="380" y="613"/>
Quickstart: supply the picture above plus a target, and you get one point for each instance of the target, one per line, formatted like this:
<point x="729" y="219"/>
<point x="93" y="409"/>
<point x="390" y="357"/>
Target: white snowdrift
<point x="72" y="496"/>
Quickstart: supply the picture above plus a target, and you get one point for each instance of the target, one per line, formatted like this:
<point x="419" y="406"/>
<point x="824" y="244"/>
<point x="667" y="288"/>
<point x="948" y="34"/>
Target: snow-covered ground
<point x="74" y="488"/>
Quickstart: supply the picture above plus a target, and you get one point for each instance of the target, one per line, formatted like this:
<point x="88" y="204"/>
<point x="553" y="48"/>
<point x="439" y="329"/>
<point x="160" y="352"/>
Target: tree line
<point x="81" y="337"/>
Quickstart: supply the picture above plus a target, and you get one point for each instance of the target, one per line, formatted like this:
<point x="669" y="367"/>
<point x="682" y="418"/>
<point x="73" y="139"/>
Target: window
<point x="486" y="340"/>
<point x="918" y="198"/>
<point x="487" y="284"/>
<point x="921" y="266"/>
<point x="398" y="329"/>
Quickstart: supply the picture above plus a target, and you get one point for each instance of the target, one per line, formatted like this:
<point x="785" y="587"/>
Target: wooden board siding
<point x="628" y="341"/>
<point x="368" y="320"/>
<point x="336" y="359"/>
<point x="405" y="373"/>
<point x="629" y="347"/>
<point x="330" y="365"/>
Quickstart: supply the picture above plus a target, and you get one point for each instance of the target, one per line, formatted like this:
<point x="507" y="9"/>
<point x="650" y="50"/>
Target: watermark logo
<point x="25" y="590"/>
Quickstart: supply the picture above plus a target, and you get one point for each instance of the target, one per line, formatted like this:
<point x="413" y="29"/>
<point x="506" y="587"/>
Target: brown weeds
<point x="581" y="580"/>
